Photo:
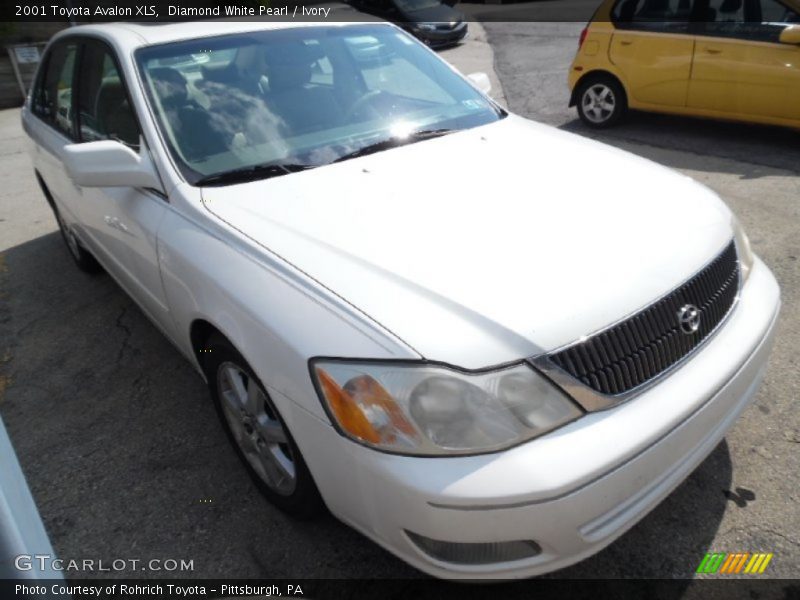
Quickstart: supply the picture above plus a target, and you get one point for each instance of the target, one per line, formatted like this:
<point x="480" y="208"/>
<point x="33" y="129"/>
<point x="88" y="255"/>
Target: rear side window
<point x="104" y="111"/>
<point x="52" y="99"/>
<point x="725" y="11"/>
<point x="653" y="15"/>
<point x="749" y="20"/>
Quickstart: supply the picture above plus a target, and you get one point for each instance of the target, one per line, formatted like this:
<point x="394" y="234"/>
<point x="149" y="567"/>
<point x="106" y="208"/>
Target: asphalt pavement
<point x="126" y="458"/>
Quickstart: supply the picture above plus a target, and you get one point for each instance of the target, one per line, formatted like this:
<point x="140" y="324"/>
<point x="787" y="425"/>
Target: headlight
<point x="425" y="26"/>
<point x="743" y="249"/>
<point x="420" y="409"/>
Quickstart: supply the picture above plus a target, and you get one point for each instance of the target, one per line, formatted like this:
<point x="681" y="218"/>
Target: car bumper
<point x="441" y="39"/>
<point x="572" y="491"/>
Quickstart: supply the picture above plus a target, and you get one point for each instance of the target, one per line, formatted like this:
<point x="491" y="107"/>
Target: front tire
<point x="258" y="432"/>
<point x="601" y="101"/>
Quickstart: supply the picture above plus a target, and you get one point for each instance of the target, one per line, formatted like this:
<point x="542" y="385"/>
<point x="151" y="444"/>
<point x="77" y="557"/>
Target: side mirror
<point x="110" y="164"/>
<point x="790" y="35"/>
<point x="481" y="81"/>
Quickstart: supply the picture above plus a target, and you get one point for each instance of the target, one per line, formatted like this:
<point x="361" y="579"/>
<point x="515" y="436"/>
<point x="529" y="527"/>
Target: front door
<point x="121" y="223"/>
<point x="652" y="47"/>
<point x="740" y="67"/>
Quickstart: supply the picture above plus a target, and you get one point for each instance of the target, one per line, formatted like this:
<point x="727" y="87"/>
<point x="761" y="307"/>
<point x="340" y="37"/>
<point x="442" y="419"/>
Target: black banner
<point x="412" y="589"/>
<point x="99" y="11"/>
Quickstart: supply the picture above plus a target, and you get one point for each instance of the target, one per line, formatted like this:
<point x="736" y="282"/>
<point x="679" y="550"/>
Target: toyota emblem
<point x="689" y="318"/>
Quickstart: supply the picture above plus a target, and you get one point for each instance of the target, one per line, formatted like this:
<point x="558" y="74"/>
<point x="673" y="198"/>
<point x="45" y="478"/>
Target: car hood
<point x="487" y="245"/>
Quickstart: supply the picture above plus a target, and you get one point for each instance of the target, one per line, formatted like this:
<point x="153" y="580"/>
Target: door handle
<point x="625" y="42"/>
<point x="115" y="223"/>
<point x="712" y="50"/>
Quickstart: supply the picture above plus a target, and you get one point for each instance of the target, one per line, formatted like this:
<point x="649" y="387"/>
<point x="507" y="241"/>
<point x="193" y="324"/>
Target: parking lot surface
<point x="126" y="458"/>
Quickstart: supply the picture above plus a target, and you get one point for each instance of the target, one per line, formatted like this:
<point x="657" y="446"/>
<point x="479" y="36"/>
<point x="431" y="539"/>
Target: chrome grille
<point x="634" y="351"/>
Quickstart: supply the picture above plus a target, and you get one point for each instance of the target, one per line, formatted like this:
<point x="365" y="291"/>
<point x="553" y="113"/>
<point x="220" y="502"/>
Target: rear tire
<point x="83" y="259"/>
<point x="258" y="432"/>
<point x="601" y="101"/>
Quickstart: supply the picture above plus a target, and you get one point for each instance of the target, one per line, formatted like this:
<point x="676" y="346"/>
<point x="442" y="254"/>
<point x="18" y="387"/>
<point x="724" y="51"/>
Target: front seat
<point x="114" y="115"/>
<point x="301" y="105"/>
<point x="191" y="125"/>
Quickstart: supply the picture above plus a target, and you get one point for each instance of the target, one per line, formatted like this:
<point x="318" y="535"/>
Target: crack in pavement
<point x="749" y="528"/>
<point x="126" y="335"/>
<point x="780" y="535"/>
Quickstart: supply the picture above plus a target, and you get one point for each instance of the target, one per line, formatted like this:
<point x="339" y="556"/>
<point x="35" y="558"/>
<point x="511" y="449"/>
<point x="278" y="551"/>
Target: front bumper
<point x="573" y="491"/>
<point x="442" y="38"/>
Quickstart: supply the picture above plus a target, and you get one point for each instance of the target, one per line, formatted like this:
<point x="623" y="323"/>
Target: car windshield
<point x="301" y="97"/>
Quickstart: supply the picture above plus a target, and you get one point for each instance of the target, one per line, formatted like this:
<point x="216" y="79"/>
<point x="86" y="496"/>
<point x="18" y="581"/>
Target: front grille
<point x="643" y="346"/>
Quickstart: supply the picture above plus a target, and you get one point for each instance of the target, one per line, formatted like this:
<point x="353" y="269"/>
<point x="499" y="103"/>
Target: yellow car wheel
<point x="601" y="101"/>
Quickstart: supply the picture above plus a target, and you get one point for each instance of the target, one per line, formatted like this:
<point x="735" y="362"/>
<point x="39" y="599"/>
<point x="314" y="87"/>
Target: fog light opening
<point x="480" y="553"/>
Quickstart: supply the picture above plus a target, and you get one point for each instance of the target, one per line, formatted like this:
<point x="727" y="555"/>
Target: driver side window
<point x="104" y="109"/>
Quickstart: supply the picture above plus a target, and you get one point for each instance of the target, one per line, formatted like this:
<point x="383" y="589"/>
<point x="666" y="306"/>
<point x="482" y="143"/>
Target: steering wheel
<point x="363" y="102"/>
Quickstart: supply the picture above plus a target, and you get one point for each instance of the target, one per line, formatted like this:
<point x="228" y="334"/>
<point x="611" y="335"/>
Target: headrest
<point x="289" y="65"/>
<point x="110" y="92"/>
<point x="110" y="95"/>
<point x="114" y="114"/>
<point x="170" y="86"/>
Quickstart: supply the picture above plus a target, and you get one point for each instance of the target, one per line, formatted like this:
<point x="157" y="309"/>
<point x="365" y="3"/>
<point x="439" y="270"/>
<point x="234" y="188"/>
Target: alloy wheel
<point x="598" y="103"/>
<point x="256" y="428"/>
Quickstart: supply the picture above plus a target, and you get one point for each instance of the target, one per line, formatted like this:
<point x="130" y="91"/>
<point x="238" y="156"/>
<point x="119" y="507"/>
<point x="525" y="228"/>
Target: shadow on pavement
<point x="121" y="445"/>
<point x="698" y="142"/>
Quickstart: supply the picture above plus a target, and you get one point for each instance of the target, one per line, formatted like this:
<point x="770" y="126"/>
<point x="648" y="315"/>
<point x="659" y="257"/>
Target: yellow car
<point x="728" y="59"/>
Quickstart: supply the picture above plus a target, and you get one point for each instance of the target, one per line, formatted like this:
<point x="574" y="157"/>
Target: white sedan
<point x="489" y="345"/>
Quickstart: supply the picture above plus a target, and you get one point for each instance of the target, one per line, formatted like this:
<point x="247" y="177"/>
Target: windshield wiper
<point x="252" y="173"/>
<point x="393" y="142"/>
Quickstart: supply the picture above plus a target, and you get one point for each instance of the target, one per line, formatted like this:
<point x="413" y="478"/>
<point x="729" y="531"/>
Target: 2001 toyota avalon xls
<point x="492" y="369"/>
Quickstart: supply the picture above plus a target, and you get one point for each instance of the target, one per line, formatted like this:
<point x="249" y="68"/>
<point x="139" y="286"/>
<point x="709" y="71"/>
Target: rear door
<point x="740" y="67"/>
<point x="652" y="46"/>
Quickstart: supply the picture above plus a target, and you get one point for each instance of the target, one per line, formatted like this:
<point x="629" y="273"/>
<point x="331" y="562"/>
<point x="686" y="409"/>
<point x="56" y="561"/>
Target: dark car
<point x="433" y="22"/>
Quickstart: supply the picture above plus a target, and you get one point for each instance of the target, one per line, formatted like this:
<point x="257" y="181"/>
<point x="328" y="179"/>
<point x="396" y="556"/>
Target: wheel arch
<point x="45" y="190"/>
<point x="201" y="331"/>
<point x="596" y="73"/>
